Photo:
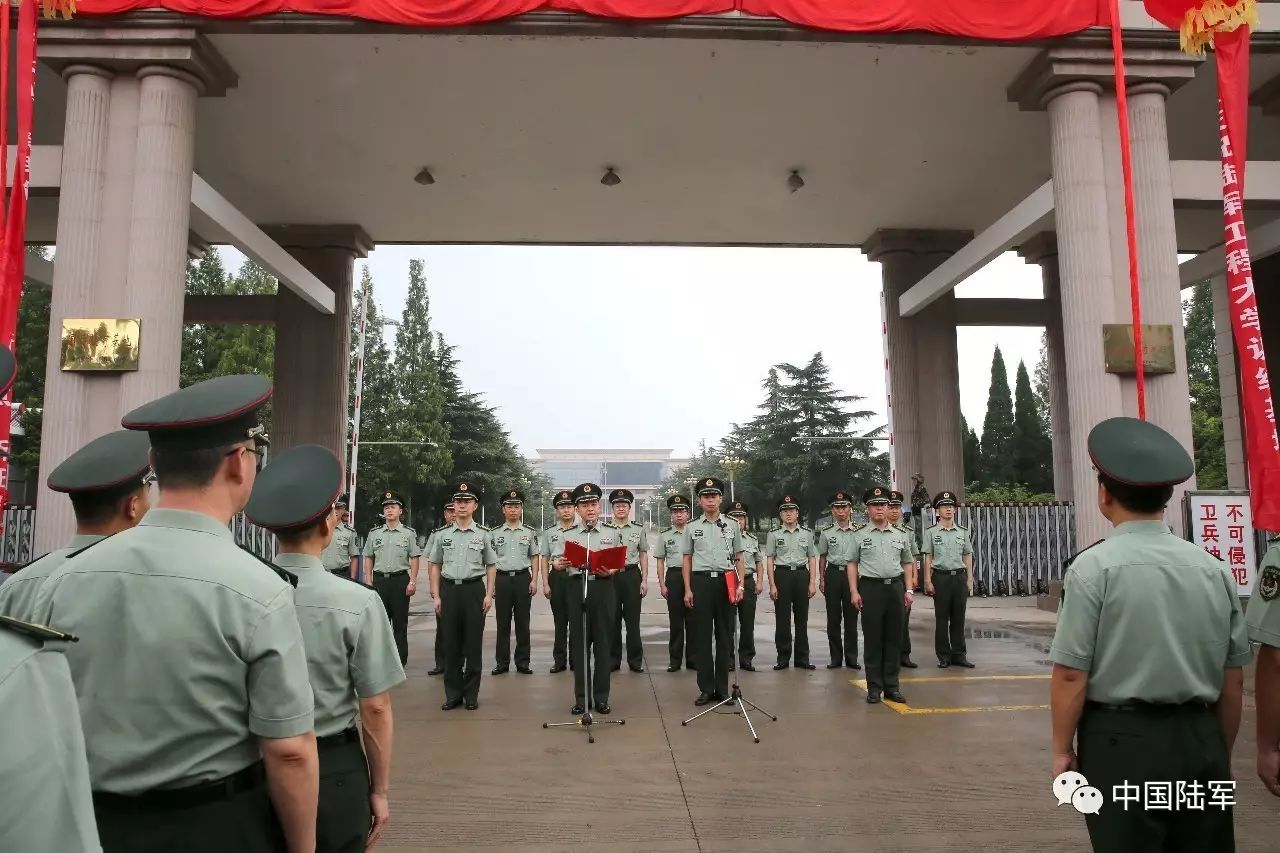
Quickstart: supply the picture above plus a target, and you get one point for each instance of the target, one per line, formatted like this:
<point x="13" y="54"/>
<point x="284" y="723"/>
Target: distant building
<point x="640" y="470"/>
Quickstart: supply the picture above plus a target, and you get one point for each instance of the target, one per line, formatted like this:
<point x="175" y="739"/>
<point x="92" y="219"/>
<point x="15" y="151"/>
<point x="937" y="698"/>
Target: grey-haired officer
<point x="878" y="569"/>
<point x="712" y="548"/>
<point x="1149" y="653"/>
<point x="948" y="577"/>
<point x="895" y="518"/>
<point x="793" y="579"/>
<point x="108" y="481"/>
<point x="1263" y="621"/>
<point x="752" y="570"/>
<point x="351" y="656"/>
<point x="835" y="550"/>
<point x="556" y="584"/>
<point x="462" y="566"/>
<point x="392" y="553"/>
<point x="448" y="516"/>
<point x="340" y="554"/>
<point x="669" y="557"/>
<point x="516" y="545"/>
<point x="173" y="609"/>
<point x="632" y="583"/>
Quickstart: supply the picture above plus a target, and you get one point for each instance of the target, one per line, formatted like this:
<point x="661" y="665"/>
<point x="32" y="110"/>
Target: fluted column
<point x="1043" y="251"/>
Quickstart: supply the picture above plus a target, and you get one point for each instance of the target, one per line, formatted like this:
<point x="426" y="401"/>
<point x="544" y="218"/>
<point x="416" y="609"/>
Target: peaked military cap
<point x="678" y="501"/>
<point x="297" y="489"/>
<point x="787" y="502"/>
<point x="389" y="498"/>
<point x="512" y="496"/>
<point x="737" y="508"/>
<point x="586" y="492"/>
<point x="564" y="497"/>
<point x="944" y="499"/>
<point x="342" y="501"/>
<point x="8" y="369"/>
<point x="710" y="486"/>
<point x="214" y="413"/>
<point x="1138" y="453"/>
<point x="840" y="499"/>
<point x="108" y="461"/>
<point x="895" y="497"/>
<point x="464" y="489"/>
<point x="875" y="495"/>
<point x="622" y="495"/>
<point x="447" y="505"/>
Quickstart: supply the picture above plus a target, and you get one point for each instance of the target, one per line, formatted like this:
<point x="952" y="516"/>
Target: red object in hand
<point x="731" y="584"/>
<point x="603" y="562"/>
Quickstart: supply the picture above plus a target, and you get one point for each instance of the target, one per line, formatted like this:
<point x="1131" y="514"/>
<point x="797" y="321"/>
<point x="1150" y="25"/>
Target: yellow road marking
<point x="862" y="682"/>
<point x="902" y="708"/>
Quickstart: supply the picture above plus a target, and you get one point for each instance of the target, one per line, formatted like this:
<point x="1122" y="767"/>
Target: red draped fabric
<point x="1012" y="20"/>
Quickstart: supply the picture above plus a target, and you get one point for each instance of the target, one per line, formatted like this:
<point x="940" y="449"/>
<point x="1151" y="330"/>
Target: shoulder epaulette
<point x="291" y="580"/>
<point x="442" y="527"/>
<point x="825" y="529"/>
<point x="962" y="527"/>
<point x="1072" y="559"/>
<point x="79" y="551"/>
<point x="29" y="563"/>
<point x="857" y="527"/>
<point x="527" y="527"/>
<point x="665" y="529"/>
<point x="40" y="632"/>
<point x="408" y="528"/>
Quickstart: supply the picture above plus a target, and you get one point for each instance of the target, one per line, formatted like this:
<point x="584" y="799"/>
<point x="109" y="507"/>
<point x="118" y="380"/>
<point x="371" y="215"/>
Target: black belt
<point x="947" y="571"/>
<point x="837" y="567"/>
<point x="629" y="566"/>
<point x="455" y="582"/>
<point x="225" y="788"/>
<point x="1150" y="707"/>
<point x="715" y="574"/>
<point x="793" y="568"/>
<point x="351" y="735"/>
<point x="513" y="574"/>
<point x="885" y="581"/>
<point x="392" y="574"/>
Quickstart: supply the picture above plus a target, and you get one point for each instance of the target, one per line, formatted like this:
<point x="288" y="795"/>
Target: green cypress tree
<point x="997" y="428"/>
<point x="972" y="452"/>
<point x="1032" y="453"/>
<point x="1202" y="379"/>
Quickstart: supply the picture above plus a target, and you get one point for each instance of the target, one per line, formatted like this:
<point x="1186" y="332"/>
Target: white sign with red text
<point x="1222" y="524"/>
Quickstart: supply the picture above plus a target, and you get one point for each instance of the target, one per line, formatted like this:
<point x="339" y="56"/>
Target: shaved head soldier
<point x="878" y="569"/>
<point x="516" y="545"/>
<point x="556" y="584"/>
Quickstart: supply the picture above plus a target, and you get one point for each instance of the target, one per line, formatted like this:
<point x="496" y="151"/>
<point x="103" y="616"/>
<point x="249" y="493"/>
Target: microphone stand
<point x="586" y="721"/>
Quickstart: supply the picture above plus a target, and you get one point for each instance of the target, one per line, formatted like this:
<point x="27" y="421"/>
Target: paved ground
<point x="964" y="767"/>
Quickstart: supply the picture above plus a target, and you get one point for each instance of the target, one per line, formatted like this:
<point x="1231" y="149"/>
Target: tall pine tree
<point x="381" y="467"/>
<point x="972" y="452"/>
<point x="1206" y="401"/>
<point x="1032" y="453"/>
<point x="996" y="458"/>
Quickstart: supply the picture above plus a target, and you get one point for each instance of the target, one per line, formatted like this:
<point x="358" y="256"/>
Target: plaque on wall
<point x="1157" y="349"/>
<point x="100" y="344"/>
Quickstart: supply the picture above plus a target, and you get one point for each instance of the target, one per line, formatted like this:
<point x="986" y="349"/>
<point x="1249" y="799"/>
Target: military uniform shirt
<point x="836" y="544"/>
<point x="1113" y="626"/>
<point x="462" y="552"/>
<point x="880" y="552"/>
<point x="351" y="654"/>
<point x="341" y="548"/>
<point x="634" y="538"/>
<point x="750" y="553"/>
<point x="18" y="594"/>
<point x="790" y="547"/>
<point x="1263" y="614"/>
<point x="553" y="544"/>
<point x="948" y="545"/>
<point x="670" y="548"/>
<point x="191" y="651"/>
<point x="596" y="539"/>
<point x="714" y="547"/>
<point x="47" y="804"/>
<point x="515" y="546"/>
<point x="392" y="549"/>
<point x="911" y="540"/>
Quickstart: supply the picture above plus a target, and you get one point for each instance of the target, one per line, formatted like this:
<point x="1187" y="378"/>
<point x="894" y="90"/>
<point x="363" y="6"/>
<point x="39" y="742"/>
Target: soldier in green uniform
<point x="793" y="580"/>
<point x="392" y="553"/>
<point x="516" y="545"/>
<point x="895" y="518"/>
<point x="601" y="603"/>
<point x="878" y="570"/>
<point x="438" y="669"/>
<point x="669" y="556"/>
<point x="351" y="656"/>
<point x="108" y="481"/>
<point x="556" y="584"/>
<point x="340" y="554"/>
<point x="712" y="547"/>
<point x="948" y="577"/>
<point x="632" y="583"/>
<point x="1263" y="620"/>
<point x="752" y="571"/>
<point x="835" y="546"/>
<point x="1148" y="657"/>
<point x="462" y="566"/>
<point x="192" y="678"/>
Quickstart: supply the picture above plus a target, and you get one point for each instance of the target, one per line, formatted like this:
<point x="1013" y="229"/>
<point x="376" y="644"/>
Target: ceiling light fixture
<point x="795" y="181"/>
<point x="424" y="177"/>
<point x="610" y="178"/>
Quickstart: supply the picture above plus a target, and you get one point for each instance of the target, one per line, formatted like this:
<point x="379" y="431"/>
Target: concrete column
<point x="942" y="442"/>
<point x="310" y="404"/>
<point x="1228" y="385"/>
<point x="1043" y="250"/>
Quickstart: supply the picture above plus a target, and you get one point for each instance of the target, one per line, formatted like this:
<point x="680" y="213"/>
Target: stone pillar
<point x="1228" y="385"/>
<point x="312" y="349"/>
<point x="123" y="218"/>
<point x="926" y="439"/>
<point x="1042" y="249"/>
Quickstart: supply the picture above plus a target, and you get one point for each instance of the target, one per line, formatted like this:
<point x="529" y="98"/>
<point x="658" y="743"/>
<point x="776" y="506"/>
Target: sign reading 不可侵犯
<point x="1222" y="524"/>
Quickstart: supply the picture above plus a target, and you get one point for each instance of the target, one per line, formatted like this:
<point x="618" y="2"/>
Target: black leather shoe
<point x="577" y="710"/>
<point x="717" y="696"/>
<point x="558" y="668"/>
<point x="703" y="699"/>
<point x="500" y="670"/>
<point x="895" y="696"/>
<point x="524" y="670"/>
<point x="689" y="665"/>
<point x="909" y="663"/>
<point x="436" y="671"/>
<point x="777" y="666"/>
<point x="834" y="665"/>
<point x="806" y="666"/>
<point x="615" y="667"/>
<point x="732" y="667"/>
<point x="450" y="705"/>
<point x="962" y="661"/>
<point x="873" y="697"/>
<point x="471" y="706"/>
<point x="603" y="708"/>
<point x="943" y="663"/>
<point x="853" y="664"/>
<point x="749" y="667"/>
<point x="674" y="668"/>
<point x="637" y="669"/>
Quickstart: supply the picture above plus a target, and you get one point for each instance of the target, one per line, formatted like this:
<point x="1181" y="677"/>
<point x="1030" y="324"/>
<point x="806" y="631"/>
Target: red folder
<point x="603" y="562"/>
<point x="731" y="583"/>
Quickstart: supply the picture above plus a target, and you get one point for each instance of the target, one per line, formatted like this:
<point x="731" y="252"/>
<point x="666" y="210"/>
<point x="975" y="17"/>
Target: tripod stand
<point x="586" y="721"/>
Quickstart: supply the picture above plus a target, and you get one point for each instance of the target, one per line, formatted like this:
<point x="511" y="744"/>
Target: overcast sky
<point x="661" y="347"/>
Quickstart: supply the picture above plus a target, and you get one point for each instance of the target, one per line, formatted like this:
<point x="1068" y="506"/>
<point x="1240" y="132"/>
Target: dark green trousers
<point x="627" y="586"/>
<point x="950" y="597"/>
<point x="792" y="607"/>
<point x="601" y="609"/>
<point x="712" y="619"/>
<point x="1168" y="744"/>
<point x="840" y="609"/>
<point x="343" y="815"/>
<point x="883" y="612"/>
<point x="560" y="587"/>
<point x="681" y="620"/>
<point x="462" y="611"/>
<point x="747" y="620"/>
<point x="511" y="602"/>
